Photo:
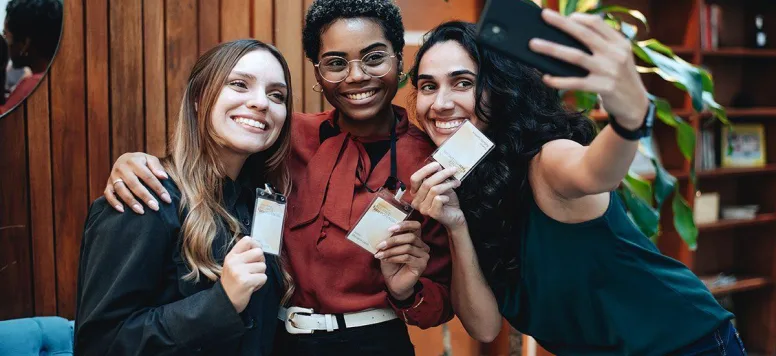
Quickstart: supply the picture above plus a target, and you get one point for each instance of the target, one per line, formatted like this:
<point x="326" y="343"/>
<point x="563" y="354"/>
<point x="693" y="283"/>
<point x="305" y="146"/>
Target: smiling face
<point x="250" y="110"/>
<point x="446" y="90"/>
<point x="359" y="96"/>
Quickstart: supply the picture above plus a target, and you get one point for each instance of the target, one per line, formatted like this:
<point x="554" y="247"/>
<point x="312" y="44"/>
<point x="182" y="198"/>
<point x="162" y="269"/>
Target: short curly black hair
<point x="39" y="20"/>
<point x="323" y="12"/>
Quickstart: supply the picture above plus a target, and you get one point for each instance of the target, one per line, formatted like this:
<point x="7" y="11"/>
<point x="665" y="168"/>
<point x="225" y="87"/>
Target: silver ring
<point x="118" y="181"/>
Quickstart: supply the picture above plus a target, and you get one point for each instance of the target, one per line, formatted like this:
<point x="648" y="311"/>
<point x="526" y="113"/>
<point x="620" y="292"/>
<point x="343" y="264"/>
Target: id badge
<point x="268" y="218"/>
<point x="385" y="211"/>
<point x="463" y="150"/>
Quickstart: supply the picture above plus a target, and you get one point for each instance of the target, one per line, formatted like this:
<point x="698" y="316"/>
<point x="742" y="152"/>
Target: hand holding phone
<point x="579" y="52"/>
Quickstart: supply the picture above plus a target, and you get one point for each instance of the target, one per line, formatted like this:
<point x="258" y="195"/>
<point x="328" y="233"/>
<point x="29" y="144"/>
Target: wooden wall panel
<point x="180" y="24"/>
<point x="41" y="201"/>
<point x="154" y="77"/>
<point x="126" y="79"/>
<point x="235" y="20"/>
<point x="262" y="20"/>
<point x="209" y="24"/>
<point x="313" y="102"/>
<point x="14" y="229"/>
<point x="68" y="130"/>
<point x="288" y="35"/>
<point x="97" y="99"/>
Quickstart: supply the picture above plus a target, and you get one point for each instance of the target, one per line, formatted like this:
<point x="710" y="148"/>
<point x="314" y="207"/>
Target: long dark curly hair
<point x="522" y="114"/>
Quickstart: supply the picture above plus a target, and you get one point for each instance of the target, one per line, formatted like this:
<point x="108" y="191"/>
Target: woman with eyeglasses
<point x="346" y="300"/>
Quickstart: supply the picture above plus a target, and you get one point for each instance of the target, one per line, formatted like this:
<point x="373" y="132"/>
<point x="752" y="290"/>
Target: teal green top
<point x="601" y="287"/>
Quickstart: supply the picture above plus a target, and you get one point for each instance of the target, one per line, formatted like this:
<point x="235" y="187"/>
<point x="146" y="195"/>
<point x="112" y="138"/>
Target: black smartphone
<point x="508" y="25"/>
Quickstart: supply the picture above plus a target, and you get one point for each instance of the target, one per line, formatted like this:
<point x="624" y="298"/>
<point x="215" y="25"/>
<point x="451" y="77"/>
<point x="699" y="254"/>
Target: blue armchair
<point x="49" y="335"/>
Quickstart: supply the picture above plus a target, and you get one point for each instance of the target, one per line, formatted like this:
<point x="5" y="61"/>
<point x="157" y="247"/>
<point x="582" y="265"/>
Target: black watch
<point x="643" y="131"/>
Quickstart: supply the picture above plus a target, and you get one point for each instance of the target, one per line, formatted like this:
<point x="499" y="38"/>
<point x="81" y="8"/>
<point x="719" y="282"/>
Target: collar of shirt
<point x="233" y="189"/>
<point x="330" y="128"/>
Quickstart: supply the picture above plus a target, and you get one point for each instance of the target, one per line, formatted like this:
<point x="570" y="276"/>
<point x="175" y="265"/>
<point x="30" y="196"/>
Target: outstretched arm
<point x="570" y="169"/>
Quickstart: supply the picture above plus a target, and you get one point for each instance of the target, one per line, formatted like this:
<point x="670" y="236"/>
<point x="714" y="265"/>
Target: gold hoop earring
<point x="317" y="88"/>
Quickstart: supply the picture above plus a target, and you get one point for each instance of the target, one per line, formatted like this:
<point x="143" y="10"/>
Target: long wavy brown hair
<point x="194" y="165"/>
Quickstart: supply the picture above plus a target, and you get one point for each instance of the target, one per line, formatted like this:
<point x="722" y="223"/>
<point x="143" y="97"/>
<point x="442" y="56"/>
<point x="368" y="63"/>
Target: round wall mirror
<point x="30" y="38"/>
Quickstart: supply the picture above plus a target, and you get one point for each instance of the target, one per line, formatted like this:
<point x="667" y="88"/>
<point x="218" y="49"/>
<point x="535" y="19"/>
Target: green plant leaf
<point x="585" y="100"/>
<point x="644" y="216"/>
<point x="685" y="138"/>
<point x="683" y="221"/>
<point x="664" y="184"/>
<point x="612" y="9"/>
<point x="675" y="70"/>
<point x="640" y="187"/>
<point x="664" y="112"/>
<point x="568" y="7"/>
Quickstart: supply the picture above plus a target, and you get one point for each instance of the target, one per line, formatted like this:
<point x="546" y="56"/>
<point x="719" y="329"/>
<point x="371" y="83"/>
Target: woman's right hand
<point x="125" y="178"/>
<point x="434" y="197"/>
<point x="244" y="272"/>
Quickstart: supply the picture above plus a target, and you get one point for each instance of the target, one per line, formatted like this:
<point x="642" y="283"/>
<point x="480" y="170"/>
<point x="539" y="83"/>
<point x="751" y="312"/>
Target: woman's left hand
<point x="612" y="69"/>
<point x="403" y="259"/>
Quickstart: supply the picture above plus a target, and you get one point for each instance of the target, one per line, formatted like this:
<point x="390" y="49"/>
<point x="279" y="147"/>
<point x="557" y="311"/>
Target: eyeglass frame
<point x="361" y="66"/>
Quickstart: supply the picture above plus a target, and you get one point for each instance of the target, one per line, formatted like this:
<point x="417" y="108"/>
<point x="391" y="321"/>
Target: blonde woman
<point x="184" y="279"/>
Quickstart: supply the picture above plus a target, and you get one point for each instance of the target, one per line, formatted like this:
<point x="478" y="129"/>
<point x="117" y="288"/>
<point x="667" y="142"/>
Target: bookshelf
<point x="743" y="78"/>
<point x="744" y="83"/>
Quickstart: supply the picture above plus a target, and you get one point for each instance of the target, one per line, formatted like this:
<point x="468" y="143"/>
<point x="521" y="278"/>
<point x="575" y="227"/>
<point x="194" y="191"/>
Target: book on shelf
<point x="711" y="22"/>
<point x="705" y="152"/>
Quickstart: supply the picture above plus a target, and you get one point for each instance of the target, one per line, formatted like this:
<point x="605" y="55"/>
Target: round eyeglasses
<point x="375" y="64"/>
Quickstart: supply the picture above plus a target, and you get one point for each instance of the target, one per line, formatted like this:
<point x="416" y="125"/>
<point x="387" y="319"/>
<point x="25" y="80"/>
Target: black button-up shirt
<point x="132" y="299"/>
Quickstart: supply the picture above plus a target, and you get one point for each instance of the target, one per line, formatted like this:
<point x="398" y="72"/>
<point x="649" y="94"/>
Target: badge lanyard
<point x="392" y="182"/>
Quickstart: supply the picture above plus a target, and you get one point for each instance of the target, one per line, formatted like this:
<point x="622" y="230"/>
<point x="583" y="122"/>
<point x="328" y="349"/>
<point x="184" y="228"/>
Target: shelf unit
<point x="744" y="249"/>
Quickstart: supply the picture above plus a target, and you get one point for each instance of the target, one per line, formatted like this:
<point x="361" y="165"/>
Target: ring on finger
<point x="118" y="181"/>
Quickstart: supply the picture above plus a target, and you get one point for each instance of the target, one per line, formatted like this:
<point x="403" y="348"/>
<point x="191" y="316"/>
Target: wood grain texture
<point x="154" y="78"/>
<point x="209" y="24"/>
<point x="235" y="19"/>
<point x="68" y="140"/>
<point x="313" y="102"/>
<point x="97" y="99"/>
<point x="41" y="201"/>
<point x="126" y="79"/>
<point x="181" y="53"/>
<point x="263" y="20"/>
<point x="14" y="229"/>
<point x="288" y="35"/>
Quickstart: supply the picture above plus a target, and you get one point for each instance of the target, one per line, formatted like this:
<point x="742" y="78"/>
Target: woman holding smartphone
<point x="537" y="233"/>
<point x="185" y="279"/>
<point x="346" y="300"/>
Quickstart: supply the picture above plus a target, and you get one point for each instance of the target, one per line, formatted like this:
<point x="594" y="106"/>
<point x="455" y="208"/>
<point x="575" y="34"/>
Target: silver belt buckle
<point x="290" y="314"/>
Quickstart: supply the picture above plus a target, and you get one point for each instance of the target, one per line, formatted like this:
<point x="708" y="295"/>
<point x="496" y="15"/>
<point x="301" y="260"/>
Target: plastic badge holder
<point x="464" y="149"/>
<point x="385" y="211"/>
<point x="268" y="218"/>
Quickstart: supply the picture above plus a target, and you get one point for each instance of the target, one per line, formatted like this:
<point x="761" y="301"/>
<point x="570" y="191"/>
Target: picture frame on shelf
<point x="743" y="145"/>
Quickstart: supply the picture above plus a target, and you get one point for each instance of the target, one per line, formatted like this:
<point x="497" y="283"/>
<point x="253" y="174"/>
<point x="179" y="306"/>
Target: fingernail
<point x="381" y="245"/>
<point x="119" y="208"/>
<point x="166" y="198"/>
<point x="379" y="255"/>
<point x="393" y="228"/>
<point x="138" y="209"/>
<point x="153" y="205"/>
<point x="163" y="174"/>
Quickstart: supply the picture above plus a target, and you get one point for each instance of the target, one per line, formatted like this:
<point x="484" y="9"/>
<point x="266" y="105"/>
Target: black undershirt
<point x="375" y="150"/>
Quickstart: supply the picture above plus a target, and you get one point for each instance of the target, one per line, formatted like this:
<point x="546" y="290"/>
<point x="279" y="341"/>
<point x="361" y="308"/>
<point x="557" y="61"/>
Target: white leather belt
<point x="303" y="321"/>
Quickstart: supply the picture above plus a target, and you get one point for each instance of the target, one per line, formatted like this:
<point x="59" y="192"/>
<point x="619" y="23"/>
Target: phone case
<point x="508" y="25"/>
